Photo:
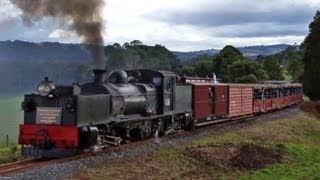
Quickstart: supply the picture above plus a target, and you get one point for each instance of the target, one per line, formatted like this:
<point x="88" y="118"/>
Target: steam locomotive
<point x="131" y="105"/>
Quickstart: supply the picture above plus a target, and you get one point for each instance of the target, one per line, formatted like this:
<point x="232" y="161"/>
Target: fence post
<point x="7" y="138"/>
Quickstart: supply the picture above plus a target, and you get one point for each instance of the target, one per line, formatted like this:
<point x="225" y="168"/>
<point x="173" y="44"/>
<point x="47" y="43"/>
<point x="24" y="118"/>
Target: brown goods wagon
<point x="200" y="100"/>
<point x="240" y="100"/>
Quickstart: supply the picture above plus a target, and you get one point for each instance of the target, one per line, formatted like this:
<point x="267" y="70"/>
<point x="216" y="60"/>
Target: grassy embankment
<point x="286" y="75"/>
<point x="10" y="118"/>
<point x="283" y="149"/>
<point x="9" y="154"/>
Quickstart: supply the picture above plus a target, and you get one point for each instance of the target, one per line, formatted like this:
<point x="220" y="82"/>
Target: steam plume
<point x="83" y="15"/>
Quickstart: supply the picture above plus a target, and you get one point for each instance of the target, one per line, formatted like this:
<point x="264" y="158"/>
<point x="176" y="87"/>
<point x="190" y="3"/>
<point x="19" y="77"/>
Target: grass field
<point x="287" y="75"/>
<point x="285" y="149"/>
<point x="10" y="118"/>
<point x="9" y="154"/>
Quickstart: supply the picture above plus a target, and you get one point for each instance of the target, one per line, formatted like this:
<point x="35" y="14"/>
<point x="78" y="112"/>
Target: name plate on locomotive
<point x="49" y="115"/>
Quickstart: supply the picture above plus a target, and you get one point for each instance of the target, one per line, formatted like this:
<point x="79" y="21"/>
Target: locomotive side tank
<point x="137" y="98"/>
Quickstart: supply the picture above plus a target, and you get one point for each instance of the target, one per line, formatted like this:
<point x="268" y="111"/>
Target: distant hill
<point x="192" y="54"/>
<point x="41" y="52"/>
<point x="250" y="52"/>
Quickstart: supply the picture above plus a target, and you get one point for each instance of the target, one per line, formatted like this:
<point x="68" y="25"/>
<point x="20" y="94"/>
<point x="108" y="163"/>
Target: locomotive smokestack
<point x="99" y="75"/>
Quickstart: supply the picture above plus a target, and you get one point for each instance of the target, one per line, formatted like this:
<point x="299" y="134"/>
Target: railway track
<point x="29" y="164"/>
<point x="18" y="165"/>
<point x="32" y="163"/>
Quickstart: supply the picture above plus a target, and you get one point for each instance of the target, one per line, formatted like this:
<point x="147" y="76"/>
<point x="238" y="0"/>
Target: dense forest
<point x="135" y="55"/>
<point x="231" y="66"/>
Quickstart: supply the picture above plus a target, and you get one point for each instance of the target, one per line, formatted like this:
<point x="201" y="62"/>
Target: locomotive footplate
<point x="47" y="153"/>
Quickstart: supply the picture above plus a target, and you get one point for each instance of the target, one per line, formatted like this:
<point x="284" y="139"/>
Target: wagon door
<point x="221" y="97"/>
<point x="200" y="101"/>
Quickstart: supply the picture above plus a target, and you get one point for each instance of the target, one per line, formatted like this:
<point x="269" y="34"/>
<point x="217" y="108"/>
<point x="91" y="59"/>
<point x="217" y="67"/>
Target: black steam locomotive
<point x="113" y="109"/>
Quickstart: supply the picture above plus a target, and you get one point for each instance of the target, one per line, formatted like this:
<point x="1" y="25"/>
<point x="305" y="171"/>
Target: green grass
<point x="286" y="75"/>
<point x="299" y="136"/>
<point x="10" y="118"/>
<point x="304" y="150"/>
<point x="306" y="98"/>
<point x="11" y="153"/>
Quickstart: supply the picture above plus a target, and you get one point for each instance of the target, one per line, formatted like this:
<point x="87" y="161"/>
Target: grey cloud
<point x="15" y="28"/>
<point x="289" y="20"/>
<point x="275" y="33"/>
<point x="7" y="23"/>
<point x="261" y="30"/>
<point x="219" y="17"/>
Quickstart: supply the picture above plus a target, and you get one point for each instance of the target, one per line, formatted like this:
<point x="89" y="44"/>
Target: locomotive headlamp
<point x="45" y="87"/>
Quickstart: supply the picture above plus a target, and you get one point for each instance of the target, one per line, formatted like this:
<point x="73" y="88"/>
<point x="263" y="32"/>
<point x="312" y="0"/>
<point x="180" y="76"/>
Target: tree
<point x="135" y="43"/>
<point x="247" y="72"/>
<point x="247" y="79"/>
<point x="311" y="59"/>
<point x="203" y="69"/>
<point x="295" y="68"/>
<point x="137" y="56"/>
<point x="125" y="45"/>
<point x="117" y="45"/>
<point x="290" y="59"/>
<point x="226" y="57"/>
<point x="260" y="59"/>
<point x="272" y="66"/>
<point x="187" y="71"/>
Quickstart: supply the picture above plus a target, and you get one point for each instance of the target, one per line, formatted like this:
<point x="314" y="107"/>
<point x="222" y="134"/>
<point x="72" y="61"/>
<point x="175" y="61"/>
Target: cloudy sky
<point x="182" y="25"/>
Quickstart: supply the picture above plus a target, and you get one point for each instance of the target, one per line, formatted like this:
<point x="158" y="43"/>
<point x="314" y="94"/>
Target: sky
<point x="180" y="25"/>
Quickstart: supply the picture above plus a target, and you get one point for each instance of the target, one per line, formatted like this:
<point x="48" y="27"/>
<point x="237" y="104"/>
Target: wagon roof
<point x="255" y="86"/>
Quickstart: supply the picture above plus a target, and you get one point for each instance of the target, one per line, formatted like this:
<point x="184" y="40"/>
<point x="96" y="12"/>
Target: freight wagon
<point x="217" y="101"/>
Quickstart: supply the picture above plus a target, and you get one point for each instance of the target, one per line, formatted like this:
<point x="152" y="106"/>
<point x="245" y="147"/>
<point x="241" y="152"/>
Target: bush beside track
<point x="9" y="154"/>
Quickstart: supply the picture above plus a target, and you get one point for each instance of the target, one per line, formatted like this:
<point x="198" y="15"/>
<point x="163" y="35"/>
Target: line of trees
<point x="231" y="66"/>
<point x="135" y="55"/>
